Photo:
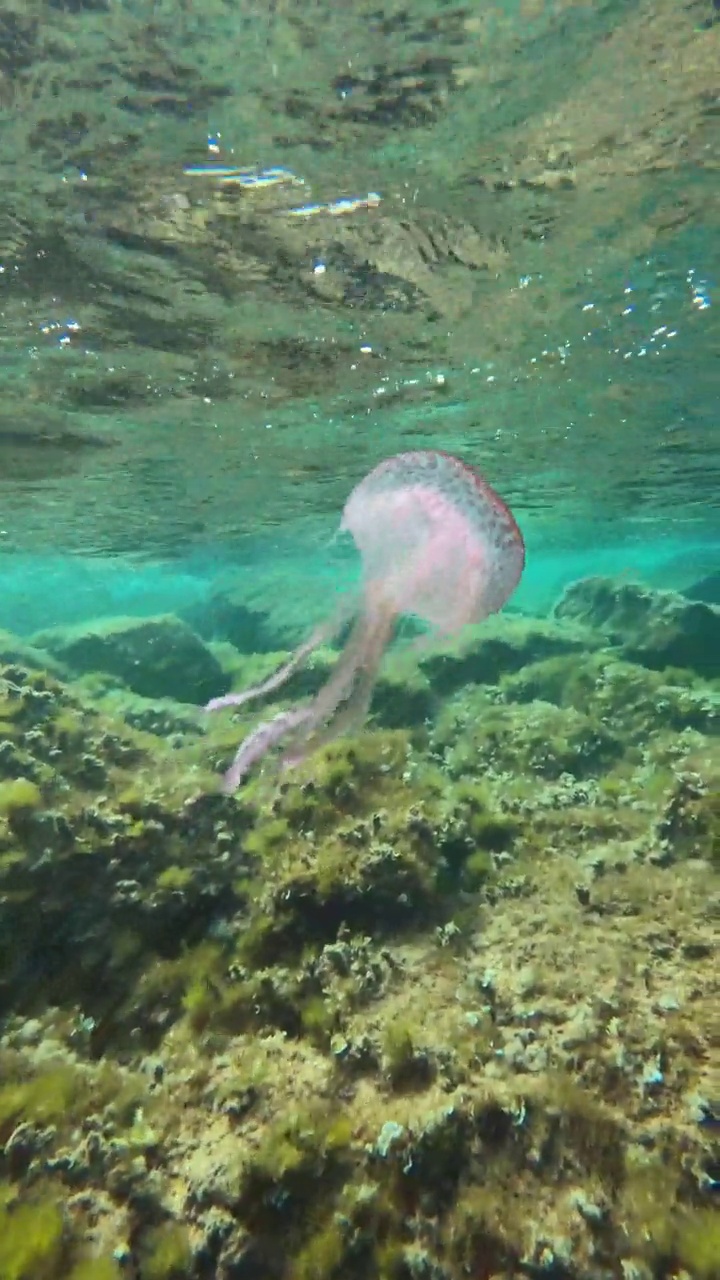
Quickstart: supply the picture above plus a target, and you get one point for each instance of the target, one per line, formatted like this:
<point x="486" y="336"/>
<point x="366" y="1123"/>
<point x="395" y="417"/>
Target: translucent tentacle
<point x="262" y="739"/>
<point x="342" y="679"/>
<point x="338" y="708"/>
<point x="352" y="685"/>
<point x="349" y="719"/>
<point x="322" y="634"/>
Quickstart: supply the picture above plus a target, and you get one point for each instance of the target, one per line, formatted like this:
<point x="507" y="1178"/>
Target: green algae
<point x="318" y="1019"/>
<point x="32" y="1237"/>
<point x="165" y="1253"/>
<point x="478" y="869"/>
<point x="45" y="1098"/>
<point x="404" y="1064"/>
<point x="267" y="838"/>
<point x="697" y="1243"/>
<point x="476" y="1230"/>
<point x="10" y="859"/>
<point x="10" y="708"/>
<point x="175" y="878"/>
<point x="19" y="796"/>
<point x="100" y="1268"/>
<point x="300" y="1154"/>
<point x="321" y="1256"/>
<point x="660" y="1227"/>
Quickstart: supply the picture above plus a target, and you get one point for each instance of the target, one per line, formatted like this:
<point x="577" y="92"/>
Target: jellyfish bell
<point x="435" y="541"/>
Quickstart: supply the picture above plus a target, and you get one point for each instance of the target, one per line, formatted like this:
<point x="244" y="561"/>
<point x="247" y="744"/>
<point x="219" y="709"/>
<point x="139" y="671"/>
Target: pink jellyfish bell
<point x="436" y="541"/>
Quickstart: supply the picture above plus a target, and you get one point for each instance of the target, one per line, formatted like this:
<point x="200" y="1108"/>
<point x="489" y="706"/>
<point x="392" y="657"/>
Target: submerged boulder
<point x="15" y="650"/>
<point x="706" y="589"/>
<point x="658" y="629"/>
<point x="156" y="657"/>
<point x="226" y="615"/>
<point x="498" y="646"/>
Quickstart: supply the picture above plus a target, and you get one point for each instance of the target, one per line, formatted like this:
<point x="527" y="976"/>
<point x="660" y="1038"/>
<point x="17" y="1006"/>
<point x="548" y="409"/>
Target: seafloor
<point x="440" y="1003"/>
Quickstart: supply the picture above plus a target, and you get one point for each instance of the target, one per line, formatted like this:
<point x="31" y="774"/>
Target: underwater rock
<point x="630" y="697"/>
<point x="174" y="724"/>
<point x="655" y="628"/>
<point x="226" y="615"/>
<point x="536" y="739"/>
<point x="706" y="589"/>
<point x="329" y="1029"/>
<point x="502" y="646"/>
<point x="109" y="883"/>
<point x="14" y="650"/>
<point x="155" y="657"/>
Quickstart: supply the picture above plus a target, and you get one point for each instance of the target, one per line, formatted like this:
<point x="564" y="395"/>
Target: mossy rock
<point x="226" y="615"/>
<point x="155" y="657"/>
<point x="118" y="885"/>
<point x="659" y="629"/>
<point x="690" y="823"/>
<point x="631" y="697"/>
<point x="500" y="645"/>
<point x="536" y="738"/>
<point x="365" y="834"/>
<point x="403" y="696"/>
<point x="15" y="650"/>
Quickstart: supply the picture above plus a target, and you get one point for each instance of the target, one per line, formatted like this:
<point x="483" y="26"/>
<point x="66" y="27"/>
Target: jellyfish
<point x="436" y="541"/>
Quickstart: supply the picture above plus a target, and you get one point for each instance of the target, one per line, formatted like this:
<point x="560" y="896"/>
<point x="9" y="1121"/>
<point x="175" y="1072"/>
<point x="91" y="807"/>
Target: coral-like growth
<point x="436" y="542"/>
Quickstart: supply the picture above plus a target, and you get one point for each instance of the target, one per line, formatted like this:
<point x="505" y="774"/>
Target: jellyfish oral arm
<point x="343" y="703"/>
<point x="322" y="634"/>
<point x="261" y="740"/>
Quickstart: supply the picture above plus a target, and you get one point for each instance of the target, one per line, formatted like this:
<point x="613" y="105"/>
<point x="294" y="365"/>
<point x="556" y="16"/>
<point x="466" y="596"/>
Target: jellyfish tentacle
<point x="322" y="634"/>
<point x="361" y="662"/>
<point x="363" y="650"/>
<point x="342" y="725"/>
<point x="261" y="740"/>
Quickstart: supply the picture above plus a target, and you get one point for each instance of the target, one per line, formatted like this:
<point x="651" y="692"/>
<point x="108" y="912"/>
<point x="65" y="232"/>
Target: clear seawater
<point x="194" y="380"/>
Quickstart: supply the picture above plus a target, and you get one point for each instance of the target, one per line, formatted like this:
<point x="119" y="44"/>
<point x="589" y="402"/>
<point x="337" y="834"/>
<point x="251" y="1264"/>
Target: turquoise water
<point x="439" y="1000"/>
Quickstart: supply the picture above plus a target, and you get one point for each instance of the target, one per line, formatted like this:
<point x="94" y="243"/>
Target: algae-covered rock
<point x="226" y="615"/>
<point x="656" y="628"/>
<point x="13" y="649"/>
<point x="480" y="655"/>
<point x="157" y="657"/>
<point x="630" y="698"/>
<point x="95" y="822"/>
<point x="536" y="739"/>
<point x="706" y="589"/>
